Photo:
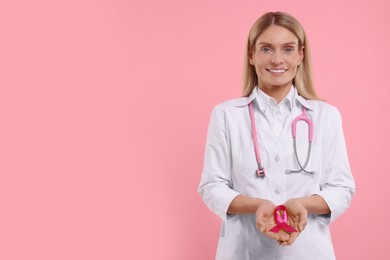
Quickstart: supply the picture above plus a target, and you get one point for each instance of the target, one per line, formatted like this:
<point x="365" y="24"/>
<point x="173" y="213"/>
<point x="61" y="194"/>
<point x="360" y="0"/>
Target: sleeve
<point x="337" y="184"/>
<point x="215" y="185"/>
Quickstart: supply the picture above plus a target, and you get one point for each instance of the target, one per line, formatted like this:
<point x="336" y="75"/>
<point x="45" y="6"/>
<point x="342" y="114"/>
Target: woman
<point x="253" y="168"/>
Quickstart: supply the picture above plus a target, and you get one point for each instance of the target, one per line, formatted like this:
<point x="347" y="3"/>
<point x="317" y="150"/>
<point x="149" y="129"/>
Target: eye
<point x="266" y="50"/>
<point x="288" y="50"/>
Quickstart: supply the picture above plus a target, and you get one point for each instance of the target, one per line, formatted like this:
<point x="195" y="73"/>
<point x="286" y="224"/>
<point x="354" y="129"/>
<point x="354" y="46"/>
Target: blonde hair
<point x="303" y="79"/>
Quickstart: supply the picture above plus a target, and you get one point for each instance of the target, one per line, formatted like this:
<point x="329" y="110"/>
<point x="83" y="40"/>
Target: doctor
<point x="278" y="85"/>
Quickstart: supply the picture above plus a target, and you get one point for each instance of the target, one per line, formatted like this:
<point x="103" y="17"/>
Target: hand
<point x="297" y="218"/>
<point x="265" y="221"/>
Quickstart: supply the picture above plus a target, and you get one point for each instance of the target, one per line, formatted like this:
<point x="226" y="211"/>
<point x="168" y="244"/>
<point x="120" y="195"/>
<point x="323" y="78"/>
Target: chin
<point x="281" y="84"/>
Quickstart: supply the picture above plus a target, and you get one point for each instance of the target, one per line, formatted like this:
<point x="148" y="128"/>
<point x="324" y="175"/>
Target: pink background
<point x="104" y="107"/>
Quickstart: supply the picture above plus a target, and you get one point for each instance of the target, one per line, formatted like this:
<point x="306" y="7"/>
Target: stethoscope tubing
<point x="260" y="172"/>
<point x="301" y="168"/>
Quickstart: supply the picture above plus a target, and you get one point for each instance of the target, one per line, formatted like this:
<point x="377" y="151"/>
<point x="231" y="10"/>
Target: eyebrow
<point x="287" y="43"/>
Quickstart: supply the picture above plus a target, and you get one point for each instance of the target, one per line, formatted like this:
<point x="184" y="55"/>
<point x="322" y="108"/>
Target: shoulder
<point x="232" y="103"/>
<point x="323" y="107"/>
<point x="231" y="106"/>
<point x="230" y="110"/>
<point x="326" y="113"/>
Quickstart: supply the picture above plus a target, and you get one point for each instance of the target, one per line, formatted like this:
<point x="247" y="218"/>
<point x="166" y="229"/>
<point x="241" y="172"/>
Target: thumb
<point x="262" y="228"/>
<point x="260" y="225"/>
<point x="302" y="222"/>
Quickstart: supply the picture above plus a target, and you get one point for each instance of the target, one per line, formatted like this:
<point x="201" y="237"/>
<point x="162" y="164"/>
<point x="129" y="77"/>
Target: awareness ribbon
<point x="280" y="215"/>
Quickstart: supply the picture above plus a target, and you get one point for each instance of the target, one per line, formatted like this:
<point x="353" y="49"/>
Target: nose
<point x="276" y="59"/>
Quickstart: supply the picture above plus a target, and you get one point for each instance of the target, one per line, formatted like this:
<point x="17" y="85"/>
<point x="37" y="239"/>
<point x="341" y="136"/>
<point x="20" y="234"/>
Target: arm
<point x="299" y="208"/>
<point x="244" y="205"/>
<point x="313" y="204"/>
<point x="337" y="185"/>
<point x="215" y="184"/>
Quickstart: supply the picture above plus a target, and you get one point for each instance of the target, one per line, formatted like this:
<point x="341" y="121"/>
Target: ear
<point x="250" y="57"/>
<point x="301" y="55"/>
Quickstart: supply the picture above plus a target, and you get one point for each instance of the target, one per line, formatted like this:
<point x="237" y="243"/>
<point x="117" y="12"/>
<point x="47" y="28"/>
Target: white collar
<point x="262" y="102"/>
<point x="265" y="101"/>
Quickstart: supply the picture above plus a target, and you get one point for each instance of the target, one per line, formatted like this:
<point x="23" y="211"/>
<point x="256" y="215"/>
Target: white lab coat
<point x="230" y="165"/>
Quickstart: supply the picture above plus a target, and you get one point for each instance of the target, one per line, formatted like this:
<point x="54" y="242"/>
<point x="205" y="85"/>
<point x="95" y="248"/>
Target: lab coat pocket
<point x="319" y="237"/>
<point x="232" y="243"/>
<point x="232" y="247"/>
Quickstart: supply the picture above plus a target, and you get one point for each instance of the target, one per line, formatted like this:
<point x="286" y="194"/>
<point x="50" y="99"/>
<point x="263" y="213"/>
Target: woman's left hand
<point x="297" y="218"/>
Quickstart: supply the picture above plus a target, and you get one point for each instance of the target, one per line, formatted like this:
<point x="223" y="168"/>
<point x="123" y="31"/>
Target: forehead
<point x="276" y="35"/>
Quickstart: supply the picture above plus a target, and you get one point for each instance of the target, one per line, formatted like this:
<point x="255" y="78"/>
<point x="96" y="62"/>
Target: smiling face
<point x="276" y="57"/>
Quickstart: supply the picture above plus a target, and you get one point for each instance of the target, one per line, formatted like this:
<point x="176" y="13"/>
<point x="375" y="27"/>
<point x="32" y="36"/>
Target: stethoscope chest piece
<point x="260" y="172"/>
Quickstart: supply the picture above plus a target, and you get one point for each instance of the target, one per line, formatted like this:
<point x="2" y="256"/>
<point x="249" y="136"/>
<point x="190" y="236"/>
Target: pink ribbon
<point x="280" y="215"/>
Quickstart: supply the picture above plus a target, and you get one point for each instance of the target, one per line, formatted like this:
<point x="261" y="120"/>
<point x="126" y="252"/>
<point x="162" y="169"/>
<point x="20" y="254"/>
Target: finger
<point x="282" y="243"/>
<point x="293" y="223"/>
<point x="293" y="236"/>
<point x="273" y="236"/>
<point x="260" y="225"/>
<point x="284" y="236"/>
<point x="302" y="222"/>
<point x="276" y="236"/>
<point x="262" y="228"/>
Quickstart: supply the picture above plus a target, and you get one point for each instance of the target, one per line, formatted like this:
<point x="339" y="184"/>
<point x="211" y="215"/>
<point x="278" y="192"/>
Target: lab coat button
<point x="278" y="257"/>
<point x="277" y="159"/>
<point x="277" y="191"/>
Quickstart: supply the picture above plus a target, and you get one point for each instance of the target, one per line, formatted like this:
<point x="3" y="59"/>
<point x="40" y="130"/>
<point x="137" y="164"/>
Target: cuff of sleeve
<point x="222" y="206"/>
<point x="337" y="207"/>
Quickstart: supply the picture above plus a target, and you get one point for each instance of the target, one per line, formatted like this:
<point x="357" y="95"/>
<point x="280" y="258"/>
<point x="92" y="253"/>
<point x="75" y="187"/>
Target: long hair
<point x="303" y="79"/>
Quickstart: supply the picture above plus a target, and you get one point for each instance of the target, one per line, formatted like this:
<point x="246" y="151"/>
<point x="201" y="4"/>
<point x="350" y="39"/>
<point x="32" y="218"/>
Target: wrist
<point x="303" y="202"/>
<point x="262" y="203"/>
<point x="298" y="203"/>
<point x="243" y="204"/>
<point x="314" y="204"/>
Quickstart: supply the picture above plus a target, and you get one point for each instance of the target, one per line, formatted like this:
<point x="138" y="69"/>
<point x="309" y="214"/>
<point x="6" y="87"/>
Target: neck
<point x="277" y="92"/>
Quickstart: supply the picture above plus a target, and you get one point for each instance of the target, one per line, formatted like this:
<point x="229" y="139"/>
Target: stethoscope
<point x="260" y="172"/>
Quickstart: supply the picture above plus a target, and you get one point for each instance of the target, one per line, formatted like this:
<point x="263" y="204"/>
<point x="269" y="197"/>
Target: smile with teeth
<point x="277" y="71"/>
